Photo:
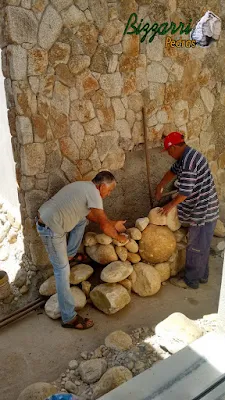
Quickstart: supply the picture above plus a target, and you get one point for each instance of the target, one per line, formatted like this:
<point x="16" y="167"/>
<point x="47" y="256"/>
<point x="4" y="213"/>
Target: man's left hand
<point x="119" y="226"/>
<point x="166" y="209"/>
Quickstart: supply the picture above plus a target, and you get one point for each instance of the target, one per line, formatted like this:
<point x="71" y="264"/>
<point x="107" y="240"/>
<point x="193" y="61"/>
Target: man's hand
<point x="119" y="226"/>
<point x="159" y="191"/>
<point x="166" y="209"/>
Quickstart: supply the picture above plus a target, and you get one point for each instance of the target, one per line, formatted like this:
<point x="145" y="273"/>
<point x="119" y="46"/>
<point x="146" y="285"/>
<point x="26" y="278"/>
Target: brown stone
<point x="39" y="255"/>
<point x="69" y="149"/>
<point x="47" y="85"/>
<point x="106" y="117"/>
<point x="37" y="61"/>
<point x="64" y="75"/>
<point x="12" y="121"/>
<point x="113" y="32"/>
<point x="30" y="231"/>
<point x="115" y="159"/>
<point x="87" y="35"/>
<point x="39" y="128"/>
<point x="34" y="199"/>
<point x="39" y="5"/>
<point x="71" y="171"/>
<point x="82" y="110"/>
<point x="125" y="8"/>
<point x="59" y="53"/>
<point x="131" y="45"/>
<point x="57" y="180"/>
<point x="54" y="156"/>
<point x="87" y="84"/>
<point x="100" y="59"/>
<point x="78" y="63"/>
<point x="87" y="147"/>
<point x="129" y="85"/>
<point x="221" y="160"/>
<point x="22" y="96"/>
<point x="99" y="99"/>
<point x="157" y="244"/>
<point x="84" y="166"/>
<point x="32" y="159"/>
<point x="43" y="106"/>
<point x="59" y="123"/>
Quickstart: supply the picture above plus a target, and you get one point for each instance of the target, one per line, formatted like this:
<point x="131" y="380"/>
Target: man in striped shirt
<point x="197" y="205"/>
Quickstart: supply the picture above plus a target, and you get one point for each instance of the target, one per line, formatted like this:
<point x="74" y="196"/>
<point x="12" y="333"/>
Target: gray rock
<point x="17" y="62"/>
<point x="99" y="11"/>
<point x="50" y="28"/>
<point x="20" y="278"/>
<point x="71" y="387"/>
<point x="22" y="25"/>
<point x="113" y="378"/>
<point x="73" y="364"/>
<point x="118" y="340"/>
<point x="92" y="370"/>
<point x="37" y="391"/>
<point x="24" y="130"/>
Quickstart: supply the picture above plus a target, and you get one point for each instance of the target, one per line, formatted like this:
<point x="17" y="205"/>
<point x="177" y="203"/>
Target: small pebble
<point x="84" y="355"/>
<point x="73" y="364"/>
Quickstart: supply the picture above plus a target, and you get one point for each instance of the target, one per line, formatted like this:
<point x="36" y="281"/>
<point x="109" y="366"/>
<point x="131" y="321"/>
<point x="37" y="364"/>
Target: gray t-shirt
<point x="71" y="204"/>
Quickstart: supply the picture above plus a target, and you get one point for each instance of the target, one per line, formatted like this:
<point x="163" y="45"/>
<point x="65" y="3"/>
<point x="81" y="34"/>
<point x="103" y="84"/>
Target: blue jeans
<point x="197" y="256"/>
<point x="59" y="249"/>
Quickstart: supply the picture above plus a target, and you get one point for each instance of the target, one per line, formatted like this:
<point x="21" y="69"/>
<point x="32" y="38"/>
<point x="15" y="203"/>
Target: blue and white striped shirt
<point x="196" y="182"/>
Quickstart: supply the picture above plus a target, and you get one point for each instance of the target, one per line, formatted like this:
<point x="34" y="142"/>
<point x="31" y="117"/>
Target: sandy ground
<point x="38" y="349"/>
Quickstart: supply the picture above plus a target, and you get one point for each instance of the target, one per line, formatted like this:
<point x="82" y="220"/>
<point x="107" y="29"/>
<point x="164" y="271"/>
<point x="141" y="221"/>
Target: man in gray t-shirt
<point x="67" y="213"/>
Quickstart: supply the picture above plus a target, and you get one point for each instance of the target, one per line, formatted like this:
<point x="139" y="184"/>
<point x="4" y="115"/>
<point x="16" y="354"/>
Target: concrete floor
<point x="38" y="349"/>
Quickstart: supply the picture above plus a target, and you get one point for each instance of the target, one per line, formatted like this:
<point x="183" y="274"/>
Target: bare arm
<point x="168" y="207"/>
<point x="100" y="217"/>
<point x="168" y="177"/>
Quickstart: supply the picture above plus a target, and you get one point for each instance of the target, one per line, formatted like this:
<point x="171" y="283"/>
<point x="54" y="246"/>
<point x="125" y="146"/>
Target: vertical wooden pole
<point x="147" y="156"/>
<point x="221" y="310"/>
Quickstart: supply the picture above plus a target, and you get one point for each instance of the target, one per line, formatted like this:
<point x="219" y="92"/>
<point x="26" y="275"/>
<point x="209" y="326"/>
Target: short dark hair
<point x="104" y="177"/>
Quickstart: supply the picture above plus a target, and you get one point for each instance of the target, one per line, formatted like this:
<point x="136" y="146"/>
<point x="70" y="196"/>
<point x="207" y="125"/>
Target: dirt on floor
<point x="37" y="348"/>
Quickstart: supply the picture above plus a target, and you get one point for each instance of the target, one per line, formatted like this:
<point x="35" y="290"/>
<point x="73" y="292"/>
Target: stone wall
<point x="76" y="85"/>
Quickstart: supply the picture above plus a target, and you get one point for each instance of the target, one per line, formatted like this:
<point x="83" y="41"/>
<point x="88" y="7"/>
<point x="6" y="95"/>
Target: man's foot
<point x="203" y="280"/>
<point x="79" y="323"/>
<point x="182" y="284"/>
<point x="78" y="259"/>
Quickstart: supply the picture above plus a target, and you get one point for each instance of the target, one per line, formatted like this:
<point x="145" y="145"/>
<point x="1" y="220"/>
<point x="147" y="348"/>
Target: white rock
<point x="86" y="288"/>
<point x="163" y="270"/>
<point x="102" y="238"/>
<point x="219" y="229"/>
<point x="52" y="306"/>
<point x="121" y="252"/>
<point x="4" y="230"/>
<point x="38" y="391"/>
<point x="80" y="273"/>
<point x="156" y="218"/>
<point x="90" y="239"/>
<point x="110" y="298"/>
<point x="146" y="281"/>
<point x="116" y="271"/>
<point x="48" y="288"/>
<point x="103" y="254"/>
<point x="118" y="340"/>
<point x="157" y="73"/>
<point x="141" y="223"/>
<point x="112" y="378"/>
<point x="177" y="331"/>
<point x="4" y="253"/>
<point x="112" y="84"/>
<point x="172" y="220"/>
<point x="134" y="233"/>
<point x="92" y="370"/>
<point x="132" y="246"/>
<point x="118" y="108"/>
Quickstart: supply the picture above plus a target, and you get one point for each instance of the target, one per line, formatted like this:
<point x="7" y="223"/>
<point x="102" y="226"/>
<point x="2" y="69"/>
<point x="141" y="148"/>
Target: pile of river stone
<point x="155" y="250"/>
<point x="92" y="374"/>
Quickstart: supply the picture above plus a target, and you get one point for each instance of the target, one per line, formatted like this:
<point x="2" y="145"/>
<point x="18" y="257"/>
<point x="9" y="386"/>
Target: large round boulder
<point x="110" y="298"/>
<point x="157" y="244"/>
<point x="102" y="254"/>
<point x="145" y="279"/>
<point x="116" y="271"/>
<point x="38" y="391"/>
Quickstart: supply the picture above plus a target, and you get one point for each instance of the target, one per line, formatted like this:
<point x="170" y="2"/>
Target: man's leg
<point x="57" y="251"/>
<point x="208" y="235"/>
<point x="75" y="238"/>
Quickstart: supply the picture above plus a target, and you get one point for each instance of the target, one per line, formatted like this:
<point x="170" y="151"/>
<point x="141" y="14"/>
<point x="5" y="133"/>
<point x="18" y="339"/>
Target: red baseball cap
<point x="172" y="139"/>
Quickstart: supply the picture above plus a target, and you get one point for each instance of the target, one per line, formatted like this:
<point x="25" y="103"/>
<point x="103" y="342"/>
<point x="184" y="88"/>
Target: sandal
<point x="79" y="259"/>
<point x="78" y="321"/>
